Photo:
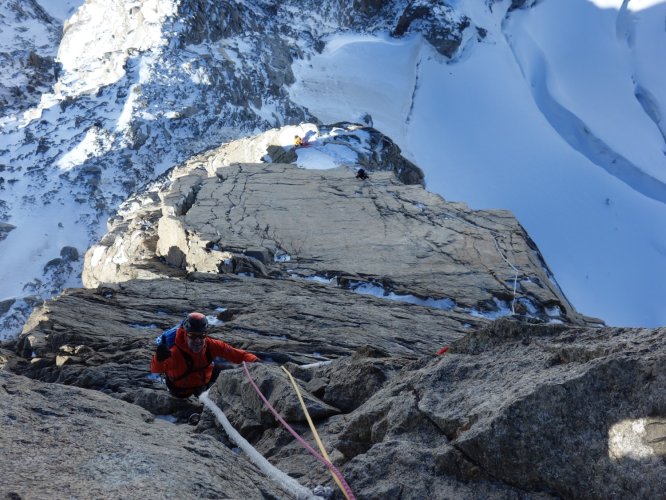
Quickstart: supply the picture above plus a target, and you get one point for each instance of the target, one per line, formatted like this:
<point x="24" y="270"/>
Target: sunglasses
<point x="196" y="336"/>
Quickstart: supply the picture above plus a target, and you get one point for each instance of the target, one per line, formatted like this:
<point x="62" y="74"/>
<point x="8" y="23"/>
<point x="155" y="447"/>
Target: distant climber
<point x="361" y="174"/>
<point x="302" y="142"/>
<point x="188" y="363"/>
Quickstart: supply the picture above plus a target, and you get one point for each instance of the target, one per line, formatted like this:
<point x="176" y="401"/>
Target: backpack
<point x="169" y="336"/>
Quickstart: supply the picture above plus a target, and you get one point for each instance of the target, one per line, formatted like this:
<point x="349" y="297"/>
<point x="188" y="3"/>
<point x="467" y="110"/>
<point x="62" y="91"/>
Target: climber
<point x="188" y="363"/>
<point x="302" y="142"/>
<point x="361" y="174"/>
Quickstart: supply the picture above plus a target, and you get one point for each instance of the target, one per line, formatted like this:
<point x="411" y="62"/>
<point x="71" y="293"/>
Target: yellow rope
<point x="314" y="431"/>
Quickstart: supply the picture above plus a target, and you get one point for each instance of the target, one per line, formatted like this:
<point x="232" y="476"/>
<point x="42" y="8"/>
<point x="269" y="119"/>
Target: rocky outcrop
<point x="379" y="236"/>
<point x="354" y="286"/>
<point x="77" y="443"/>
<point x="141" y="87"/>
<point x="102" y="338"/>
<point x="512" y="410"/>
<point x="428" y="18"/>
<point x="5" y="229"/>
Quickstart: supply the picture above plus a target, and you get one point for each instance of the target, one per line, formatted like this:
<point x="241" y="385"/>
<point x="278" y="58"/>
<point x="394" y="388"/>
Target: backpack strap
<point x="190" y="364"/>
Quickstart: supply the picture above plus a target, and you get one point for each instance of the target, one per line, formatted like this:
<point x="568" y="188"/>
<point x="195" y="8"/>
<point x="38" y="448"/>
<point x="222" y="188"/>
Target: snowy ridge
<point x="115" y="29"/>
<point x="69" y="162"/>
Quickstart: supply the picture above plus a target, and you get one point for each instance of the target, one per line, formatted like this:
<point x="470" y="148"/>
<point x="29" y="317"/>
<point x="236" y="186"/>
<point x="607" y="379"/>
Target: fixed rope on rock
<point x="313" y="452"/>
<point x="321" y="446"/>
<point x="515" y="278"/>
<point x="286" y="482"/>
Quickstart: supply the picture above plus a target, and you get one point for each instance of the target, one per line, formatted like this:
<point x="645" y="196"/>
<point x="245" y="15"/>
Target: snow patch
<point x="96" y="142"/>
<point x="281" y="257"/>
<point x="378" y="291"/>
<point x="554" y="312"/>
<point x="140" y="326"/>
<point x="213" y="320"/>
<point x="167" y="418"/>
<point x="503" y="309"/>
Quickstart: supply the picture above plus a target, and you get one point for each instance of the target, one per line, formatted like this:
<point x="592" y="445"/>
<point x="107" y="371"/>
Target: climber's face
<point x="195" y="341"/>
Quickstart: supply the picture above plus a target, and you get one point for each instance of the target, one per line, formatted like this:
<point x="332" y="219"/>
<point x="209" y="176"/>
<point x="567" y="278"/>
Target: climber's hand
<point x="162" y="352"/>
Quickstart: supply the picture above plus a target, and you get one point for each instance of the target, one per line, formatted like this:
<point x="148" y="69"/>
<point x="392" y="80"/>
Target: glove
<point x="163" y="352"/>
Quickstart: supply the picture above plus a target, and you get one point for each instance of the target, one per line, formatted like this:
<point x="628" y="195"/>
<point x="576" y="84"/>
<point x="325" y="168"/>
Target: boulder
<point x="81" y="443"/>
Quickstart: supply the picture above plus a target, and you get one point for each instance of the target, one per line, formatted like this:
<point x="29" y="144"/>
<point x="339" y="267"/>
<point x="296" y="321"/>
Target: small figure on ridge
<point x="361" y="174"/>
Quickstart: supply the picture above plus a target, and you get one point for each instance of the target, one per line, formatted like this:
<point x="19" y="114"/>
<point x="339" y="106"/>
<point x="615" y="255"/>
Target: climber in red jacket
<point x="188" y="363"/>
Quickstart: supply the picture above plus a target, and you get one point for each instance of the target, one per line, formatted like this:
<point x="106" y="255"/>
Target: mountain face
<point x="434" y="349"/>
<point x="175" y="120"/>
<point x="164" y="80"/>
<point x="354" y="286"/>
<point x="442" y="252"/>
<point x="101" y="108"/>
<point x="30" y="39"/>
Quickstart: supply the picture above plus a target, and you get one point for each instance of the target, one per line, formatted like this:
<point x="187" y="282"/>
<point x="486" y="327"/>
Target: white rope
<point x="287" y="483"/>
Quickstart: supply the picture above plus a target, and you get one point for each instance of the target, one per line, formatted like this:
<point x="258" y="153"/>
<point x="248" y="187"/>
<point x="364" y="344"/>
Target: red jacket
<point x="185" y="380"/>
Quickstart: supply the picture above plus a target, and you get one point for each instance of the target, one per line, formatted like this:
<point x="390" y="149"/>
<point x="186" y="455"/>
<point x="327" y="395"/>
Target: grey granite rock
<point x="214" y="214"/>
<point x="68" y="442"/>
<point x="354" y="287"/>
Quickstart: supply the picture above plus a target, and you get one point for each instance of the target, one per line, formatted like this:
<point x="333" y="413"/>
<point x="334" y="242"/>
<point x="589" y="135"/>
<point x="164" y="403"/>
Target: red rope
<point x="312" y="451"/>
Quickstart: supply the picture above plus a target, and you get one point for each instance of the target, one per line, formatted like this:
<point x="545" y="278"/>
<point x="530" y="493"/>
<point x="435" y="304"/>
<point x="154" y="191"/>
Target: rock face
<point x="84" y="444"/>
<point x="166" y="80"/>
<point x="511" y="411"/>
<point x="353" y="286"/>
<point x="379" y="236"/>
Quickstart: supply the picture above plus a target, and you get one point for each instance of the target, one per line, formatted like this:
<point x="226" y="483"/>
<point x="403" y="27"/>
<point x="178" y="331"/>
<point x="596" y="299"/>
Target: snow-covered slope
<point x="29" y="38"/>
<point x="556" y="114"/>
<point x="553" y="110"/>
<point x="143" y="86"/>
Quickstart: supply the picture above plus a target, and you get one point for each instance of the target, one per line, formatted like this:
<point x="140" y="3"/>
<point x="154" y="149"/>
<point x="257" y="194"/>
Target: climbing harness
<point x="327" y="463"/>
